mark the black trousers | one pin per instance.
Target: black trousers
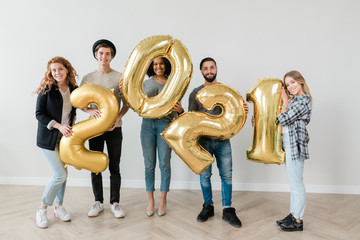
(113, 141)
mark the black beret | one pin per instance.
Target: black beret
(107, 42)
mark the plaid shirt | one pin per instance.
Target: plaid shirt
(296, 118)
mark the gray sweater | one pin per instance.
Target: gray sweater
(106, 80)
(153, 88)
(194, 104)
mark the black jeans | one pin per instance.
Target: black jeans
(113, 141)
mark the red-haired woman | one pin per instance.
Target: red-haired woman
(55, 117)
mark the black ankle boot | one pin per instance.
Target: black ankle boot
(206, 212)
(229, 215)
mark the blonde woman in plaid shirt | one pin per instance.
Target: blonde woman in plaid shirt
(294, 117)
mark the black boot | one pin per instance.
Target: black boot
(229, 215)
(206, 212)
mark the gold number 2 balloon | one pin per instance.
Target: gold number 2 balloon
(267, 141)
(136, 68)
(182, 133)
(72, 149)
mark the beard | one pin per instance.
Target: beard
(210, 79)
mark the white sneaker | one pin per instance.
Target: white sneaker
(60, 212)
(117, 210)
(41, 218)
(96, 209)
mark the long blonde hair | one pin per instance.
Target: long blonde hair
(48, 80)
(301, 80)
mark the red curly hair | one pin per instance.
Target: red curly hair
(48, 80)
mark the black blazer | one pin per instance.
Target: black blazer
(49, 107)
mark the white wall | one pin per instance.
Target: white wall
(249, 40)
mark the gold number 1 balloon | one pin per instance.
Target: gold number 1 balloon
(137, 66)
(267, 141)
(72, 149)
(182, 133)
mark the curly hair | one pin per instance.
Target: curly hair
(48, 80)
(150, 72)
(301, 80)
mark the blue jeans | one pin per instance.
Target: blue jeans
(221, 149)
(57, 184)
(295, 171)
(150, 140)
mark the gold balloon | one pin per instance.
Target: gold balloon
(137, 66)
(267, 140)
(182, 133)
(72, 149)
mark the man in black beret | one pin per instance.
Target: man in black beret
(104, 51)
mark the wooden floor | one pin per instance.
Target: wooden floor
(328, 216)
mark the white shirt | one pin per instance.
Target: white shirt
(66, 108)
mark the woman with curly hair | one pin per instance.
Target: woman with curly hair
(55, 117)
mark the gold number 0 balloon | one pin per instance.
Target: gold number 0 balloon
(136, 68)
(182, 133)
(267, 141)
(72, 149)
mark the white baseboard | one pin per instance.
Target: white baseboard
(257, 187)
